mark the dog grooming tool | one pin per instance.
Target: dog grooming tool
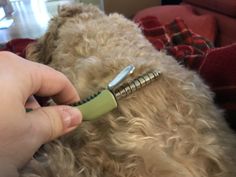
(106, 100)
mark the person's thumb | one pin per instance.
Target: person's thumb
(51, 122)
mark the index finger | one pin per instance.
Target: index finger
(29, 78)
(46, 81)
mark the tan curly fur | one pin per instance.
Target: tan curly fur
(170, 128)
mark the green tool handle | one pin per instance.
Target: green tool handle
(98, 106)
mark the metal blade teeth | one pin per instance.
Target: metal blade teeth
(136, 84)
(86, 99)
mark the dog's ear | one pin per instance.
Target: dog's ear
(69, 10)
(41, 50)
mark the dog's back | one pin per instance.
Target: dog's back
(170, 128)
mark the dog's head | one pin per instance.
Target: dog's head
(90, 48)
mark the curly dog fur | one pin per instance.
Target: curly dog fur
(170, 128)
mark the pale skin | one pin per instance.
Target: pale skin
(21, 133)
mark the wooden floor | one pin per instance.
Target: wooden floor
(30, 19)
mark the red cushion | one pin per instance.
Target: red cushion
(219, 71)
(165, 13)
(17, 46)
(227, 7)
(204, 25)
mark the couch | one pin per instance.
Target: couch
(215, 20)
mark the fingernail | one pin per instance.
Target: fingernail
(71, 117)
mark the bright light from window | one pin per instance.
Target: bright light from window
(2, 13)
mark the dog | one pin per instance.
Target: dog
(170, 128)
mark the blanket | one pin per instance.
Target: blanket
(176, 39)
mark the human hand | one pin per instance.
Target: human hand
(21, 133)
